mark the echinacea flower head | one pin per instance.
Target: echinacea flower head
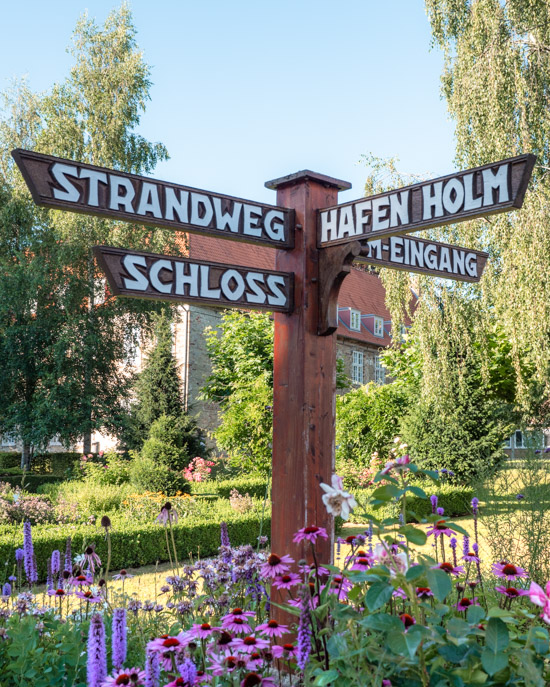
(59, 593)
(256, 680)
(511, 592)
(361, 563)
(81, 580)
(470, 557)
(89, 596)
(508, 571)
(249, 644)
(123, 575)
(272, 629)
(286, 651)
(338, 502)
(167, 515)
(449, 568)
(311, 533)
(276, 565)
(286, 581)
(423, 592)
(465, 603)
(407, 620)
(238, 625)
(130, 677)
(202, 630)
(438, 529)
(91, 558)
(166, 643)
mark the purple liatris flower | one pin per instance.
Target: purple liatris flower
(224, 534)
(152, 669)
(49, 577)
(433, 499)
(56, 562)
(119, 643)
(19, 555)
(6, 589)
(466, 546)
(188, 672)
(304, 631)
(475, 505)
(440, 511)
(29, 562)
(68, 556)
(97, 652)
(453, 544)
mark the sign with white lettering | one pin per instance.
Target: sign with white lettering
(166, 278)
(412, 254)
(477, 192)
(78, 187)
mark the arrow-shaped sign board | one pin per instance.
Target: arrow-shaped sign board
(78, 187)
(413, 254)
(477, 192)
(162, 277)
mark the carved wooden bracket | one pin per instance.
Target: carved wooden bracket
(334, 266)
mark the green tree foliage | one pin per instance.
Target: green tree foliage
(367, 421)
(158, 385)
(175, 441)
(241, 382)
(496, 82)
(91, 117)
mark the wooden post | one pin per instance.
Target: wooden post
(304, 384)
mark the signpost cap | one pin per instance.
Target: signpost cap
(291, 179)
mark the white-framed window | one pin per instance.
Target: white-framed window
(379, 370)
(378, 326)
(8, 439)
(519, 439)
(529, 439)
(357, 361)
(355, 320)
(508, 443)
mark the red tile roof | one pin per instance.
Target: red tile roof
(360, 290)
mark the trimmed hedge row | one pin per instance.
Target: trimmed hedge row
(42, 463)
(455, 499)
(133, 544)
(254, 486)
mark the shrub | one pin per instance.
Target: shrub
(30, 481)
(91, 498)
(241, 503)
(255, 486)
(198, 470)
(35, 509)
(148, 475)
(115, 470)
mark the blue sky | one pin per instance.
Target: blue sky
(245, 91)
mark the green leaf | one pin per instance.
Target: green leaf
(382, 622)
(378, 595)
(414, 572)
(413, 534)
(417, 491)
(493, 662)
(385, 493)
(326, 678)
(496, 635)
(475, 615)
(439, 582)
(404, 643)
(457, 528)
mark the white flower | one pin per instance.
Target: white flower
(336, 500)
(396, 562)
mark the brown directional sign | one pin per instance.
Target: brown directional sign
(78, 187)
(477, 192)
(166, 278)
(412, 254)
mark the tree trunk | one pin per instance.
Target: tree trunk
(26, 457)
(87, 443)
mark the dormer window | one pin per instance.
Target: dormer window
(378, 327)
(355, 320)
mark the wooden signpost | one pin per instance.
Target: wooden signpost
(317, 242)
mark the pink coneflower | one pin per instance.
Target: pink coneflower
(286, 581)
(407, 620)
(449, 568)
(123, 575)
(249, 644)
(59, 593)
(202, 630)
(272, 629)
(89, 596)
(276, 565)
(166, 643)
(125, 676)
(399, 593)
(311, 533)
(423, 592)
(81, 581)
(511, 592)
(311, 569)
(470, 557)
(465, 603)
(341, 586)
(227, 663)
(438, 529)
(167, 514)
(91, 557)
(237, 625)
(508, 571)
(361, 563)
(286, 651)
(237, 613)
